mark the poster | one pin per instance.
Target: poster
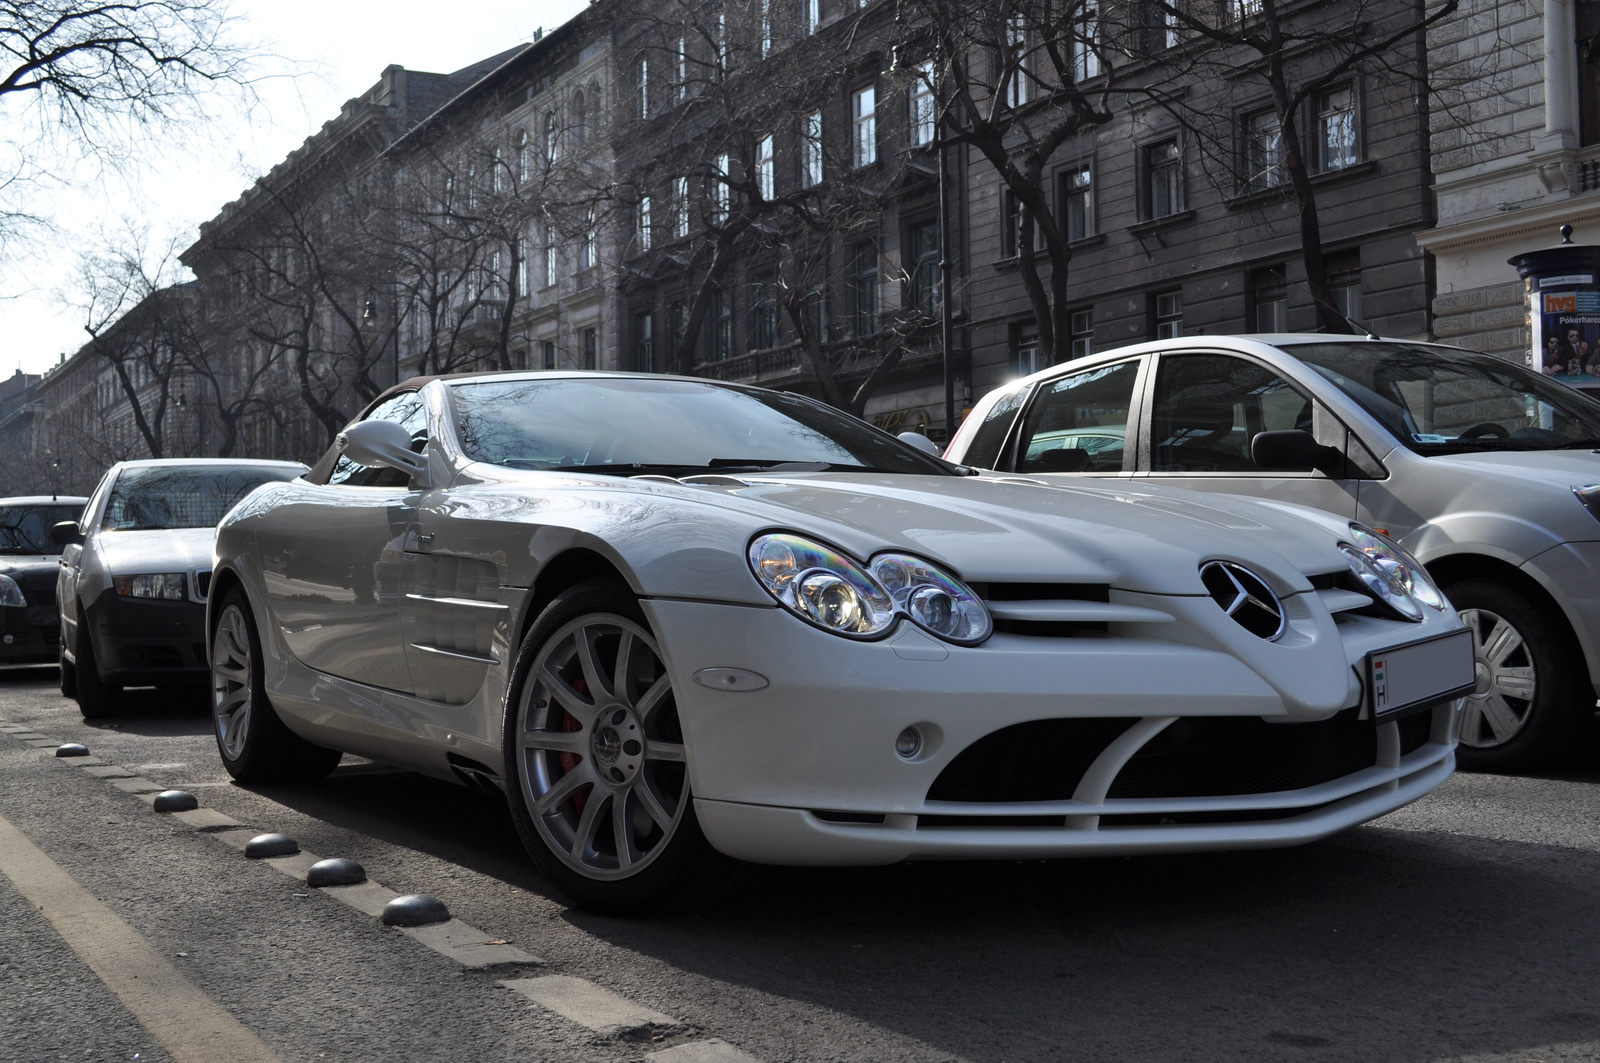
(1569, 336)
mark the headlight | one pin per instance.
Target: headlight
(10, 593)
(172, 586)
(933, 599)
(1389, 571)
(821, 585)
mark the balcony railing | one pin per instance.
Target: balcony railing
(781, 363)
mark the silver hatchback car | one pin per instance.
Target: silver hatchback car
(1486, 471)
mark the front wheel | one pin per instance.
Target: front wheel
(596, 756)
(69, 674)
(255, 745)
(96, 698)
(1533, 698)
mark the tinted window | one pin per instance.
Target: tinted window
(984, 450)
(1080, 422)
(405, 409)
(26, 529)
(1438, 400)
(627, 426)
(1207, 408)
(182, 496)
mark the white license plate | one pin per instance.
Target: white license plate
(1419, 673)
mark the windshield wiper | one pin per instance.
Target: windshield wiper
(1576, 444)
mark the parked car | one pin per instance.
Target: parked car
(1484, 470)
(135, 570)
(671, 617)
(28, 564)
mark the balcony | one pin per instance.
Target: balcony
(780, 366)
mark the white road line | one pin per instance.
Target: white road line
(712, 1051)
(190, 1025)
(589, 1005)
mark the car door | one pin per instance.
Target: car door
(1205, 408)
(330, 558)
(1081, 424)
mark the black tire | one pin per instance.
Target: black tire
(69, 674)
(253, 742)
(673, 866)
(97, 699)
(1522, 646)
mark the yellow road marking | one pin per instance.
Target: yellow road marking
(190, 1025)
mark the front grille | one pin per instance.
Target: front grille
(1215, 756)
(1414, 731)
(1046, 592)
(1042, 760)
(202, 583)
(151, 657)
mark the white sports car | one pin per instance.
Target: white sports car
(673, 618)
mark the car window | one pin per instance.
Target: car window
(1079, 423)
(990, 436)
(1207, 407)
(151, 497)
(408, 411)
(25, 529)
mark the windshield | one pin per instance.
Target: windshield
(1439, 401)
(26, 529)
(182, 496)
(628, 426)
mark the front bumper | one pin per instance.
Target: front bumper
(805, 771)
(143, 641)
(29, 634)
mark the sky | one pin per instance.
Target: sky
(316, 55)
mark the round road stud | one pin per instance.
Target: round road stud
(415, 909)
(337, 872)
(265, 845)
(176, 801)
(72, 749)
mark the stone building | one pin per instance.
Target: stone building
(1515, 153)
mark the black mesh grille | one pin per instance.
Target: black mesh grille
(202, 581)
(1215, 756)
(1042, 760)
(1414, 731)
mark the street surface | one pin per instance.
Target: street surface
(1466, 927)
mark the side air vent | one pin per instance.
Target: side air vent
(1245, 597)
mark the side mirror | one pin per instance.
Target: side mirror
(920, 441)
(66, 533)
(1295, 449)
(379, 442)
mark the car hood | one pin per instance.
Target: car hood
(996, 529)
(16, 564)
(166, 550)
(1567, 468)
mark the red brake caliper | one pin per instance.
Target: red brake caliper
(572, 760)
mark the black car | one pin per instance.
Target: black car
(29, 628)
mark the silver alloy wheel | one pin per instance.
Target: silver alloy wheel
(1506, 683)
(230, 682)
(600, 755)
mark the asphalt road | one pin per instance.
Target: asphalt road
(1465, 927)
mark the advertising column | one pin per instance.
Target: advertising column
(1563, 290)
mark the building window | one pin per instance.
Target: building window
(765, 175)
(680, 205)
(1239, 10)
(922, 256)
(766, 28)
(642, 88)
(1168, 314)
(1017, 58)
(524, 161)
(811, 150)
(552, 139)
(591, 349)
(1085, 45)
(644, 223)
(764, 317)
(813, 15)
(721, 326)
(680, 82)
(547, 354)
(1336, 129)
(864, 287)
(814, 311)
(1025, 349)
(1160, 28)
(644, 358)
(580, 119)
(1344, 283)
(721, 192)
(550, 253)
(586, 249)
(1082, 325)
(923, 110)
(1077, 201)
(1263, 151)
(1269, 290)
(864, 112)
(1163, 168)
(522, 266)
(721, 43)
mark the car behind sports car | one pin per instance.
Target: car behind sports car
(670, 617)
(28, 564)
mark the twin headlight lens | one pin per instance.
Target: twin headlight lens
(840, 595)
(1389, 572)
(10, 593)
(172, 586)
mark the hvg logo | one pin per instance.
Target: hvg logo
(1561, 304)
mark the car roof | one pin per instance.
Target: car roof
(416, 382)
(43, 500)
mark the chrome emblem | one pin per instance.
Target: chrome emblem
(1245, 597)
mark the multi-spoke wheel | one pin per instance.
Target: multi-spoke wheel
(596, 748)
(254, 743)
(1532, 696)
